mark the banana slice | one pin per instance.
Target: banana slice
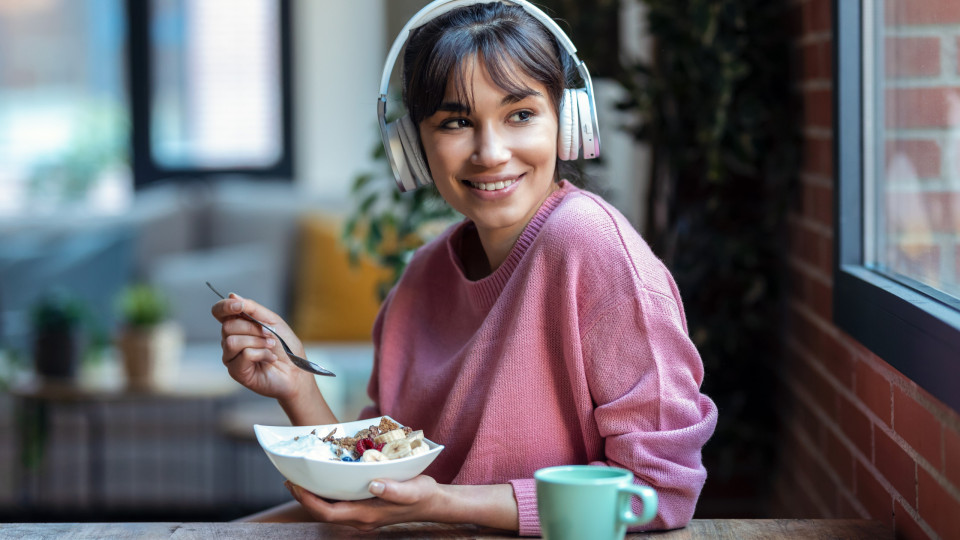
(373, 455)
(418, 447)
(397, 449)
(393, 435)
(415, 436)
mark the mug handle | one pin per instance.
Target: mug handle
(649, 498)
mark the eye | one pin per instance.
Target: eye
(454, 123)
(521, 116)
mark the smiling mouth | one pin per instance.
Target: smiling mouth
(490, 186)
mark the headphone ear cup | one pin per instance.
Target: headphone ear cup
(409, 164)
(585, 113)
(398, 162)
(568, 139)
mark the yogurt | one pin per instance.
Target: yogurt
(309, 446)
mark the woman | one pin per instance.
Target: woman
(539, 331)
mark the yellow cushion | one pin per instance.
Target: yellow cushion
(335, 300)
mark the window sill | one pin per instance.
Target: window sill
(917, 335)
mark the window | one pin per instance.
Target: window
(210, 88)
(897, 135)
(97, 96)
(63, 111)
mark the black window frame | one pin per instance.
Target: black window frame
(145, 169)
(913, 328)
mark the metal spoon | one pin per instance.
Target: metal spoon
(298, 361)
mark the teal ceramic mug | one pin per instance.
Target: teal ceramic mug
(590, 501)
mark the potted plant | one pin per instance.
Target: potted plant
(149, 341)
(58, 337)
(388, 225)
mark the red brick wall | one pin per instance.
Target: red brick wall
(859, 440)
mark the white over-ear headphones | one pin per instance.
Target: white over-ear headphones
(401, 139)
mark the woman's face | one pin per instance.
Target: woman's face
(495, 161)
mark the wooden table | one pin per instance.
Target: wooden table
(732, 529)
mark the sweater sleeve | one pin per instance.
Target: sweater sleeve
(644, 376)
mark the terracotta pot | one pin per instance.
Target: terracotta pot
(151, 355)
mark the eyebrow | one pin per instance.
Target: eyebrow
(457, 107)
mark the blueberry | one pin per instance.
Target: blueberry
(347, 458)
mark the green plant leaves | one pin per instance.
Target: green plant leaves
(142, 305)
(387, 225)
(33, 424)
(58, 310)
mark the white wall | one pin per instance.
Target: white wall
(628, 172)
(622, 176)
(339, 49)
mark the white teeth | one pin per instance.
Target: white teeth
(492, 186)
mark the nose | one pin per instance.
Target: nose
(491, 147)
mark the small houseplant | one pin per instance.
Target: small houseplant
(149, 341)
(388, 225)
(58, 327)
(58, 336)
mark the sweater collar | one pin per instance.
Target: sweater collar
(486, 290)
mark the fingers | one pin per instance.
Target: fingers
(364, 515)
(323, 510)
(390, 491)
(248, 348)
(394, 502)
(409, 492)
(231, 306)
(235, 305)
(224, 309)
(244, 342)
(239, 326)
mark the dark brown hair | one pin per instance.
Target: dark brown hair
(503, 37)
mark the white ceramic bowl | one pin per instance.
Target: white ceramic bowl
(339, 480)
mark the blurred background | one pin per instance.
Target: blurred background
(148, 146)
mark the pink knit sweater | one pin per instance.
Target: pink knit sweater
(574, 351)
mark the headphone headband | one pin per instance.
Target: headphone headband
(439, 7)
